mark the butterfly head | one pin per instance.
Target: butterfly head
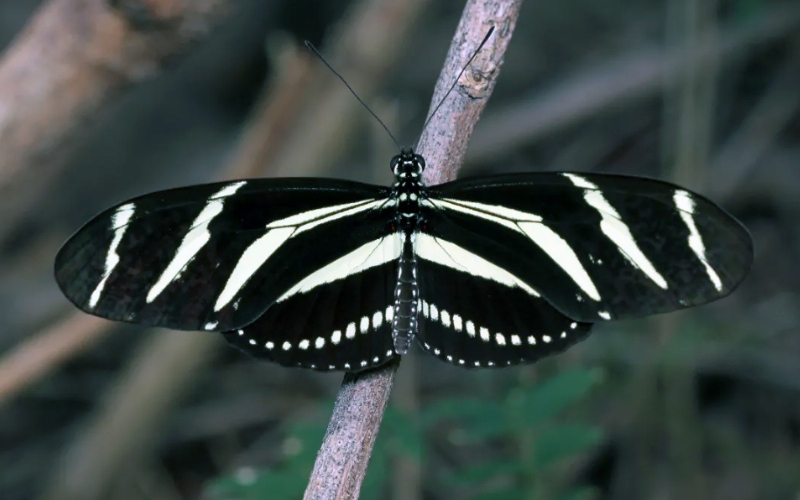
(408, 165)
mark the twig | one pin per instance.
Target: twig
(357, 413)
(343, 458)
(444, 143)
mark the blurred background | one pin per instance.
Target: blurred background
(703, 404)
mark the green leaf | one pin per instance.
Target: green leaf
(582, 493)
(482, 472)
(748, 10)
(263, 484)
(303, 442)
(289, 480)
(403, 434)
(507, 494)
(461, 409)
(554, 395)
(563, 441)
(407, 443)
(481, 419)
(375, 479)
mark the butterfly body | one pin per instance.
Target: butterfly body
(406, 192)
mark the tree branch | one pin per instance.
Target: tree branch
(343, 458)
(444, 143)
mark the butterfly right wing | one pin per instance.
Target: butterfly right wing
(597, 247)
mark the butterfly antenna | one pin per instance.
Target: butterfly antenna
(433, 113)
(316, 52)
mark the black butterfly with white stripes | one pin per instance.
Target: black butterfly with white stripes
(337, 275)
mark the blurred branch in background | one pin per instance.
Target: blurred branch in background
(72, 60)
(363, 50)
(741, 151)
(625, 80)
(121, 436)
(344, 456)
(37, 357)
(688, 124)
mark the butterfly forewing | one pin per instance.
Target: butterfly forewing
(215, 256)
(596, 247)
(343, 325)
(477, 322)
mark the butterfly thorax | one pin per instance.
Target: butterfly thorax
(406, 191)
(407, 168)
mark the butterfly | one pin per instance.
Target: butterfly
(338, 275)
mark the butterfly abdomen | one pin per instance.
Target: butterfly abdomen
(406, 298)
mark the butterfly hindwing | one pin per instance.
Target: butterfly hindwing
(214, 257)
(596, 247)
(476, 322)
(344, 325)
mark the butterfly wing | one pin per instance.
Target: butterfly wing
(477, 322)
(216, 256)
(595, 247)
(345, 325)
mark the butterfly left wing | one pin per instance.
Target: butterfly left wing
(595, 247)
(216, 256)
